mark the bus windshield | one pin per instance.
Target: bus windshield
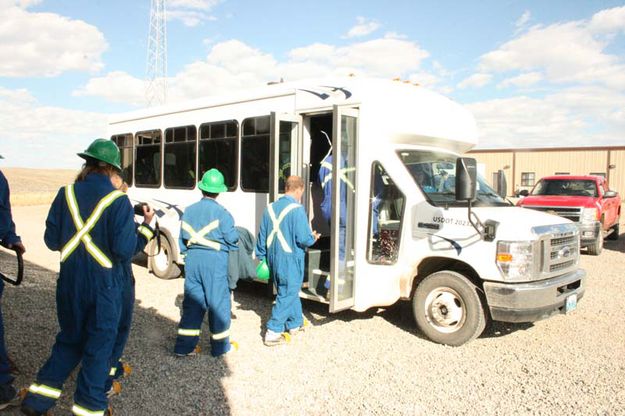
(435, 174)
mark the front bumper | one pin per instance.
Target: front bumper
(529, 302)
(588, 232)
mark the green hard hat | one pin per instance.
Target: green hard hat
(213, 182)
(262, 270)
(104, 151)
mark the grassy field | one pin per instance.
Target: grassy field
(36, 186)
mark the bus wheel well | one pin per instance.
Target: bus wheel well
(437, 264)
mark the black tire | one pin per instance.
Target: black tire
(448, 308)
(162, 263)
(615, 231)
(597, 246)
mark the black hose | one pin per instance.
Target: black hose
(20, 271)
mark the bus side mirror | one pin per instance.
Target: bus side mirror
(502, 184)
(466, 175)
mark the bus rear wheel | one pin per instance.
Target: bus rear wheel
(448, 309)
(162, 262)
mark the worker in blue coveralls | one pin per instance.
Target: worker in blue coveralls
(145, 233)
(284, 235)
(207, 234)
(8, 239)
(92, 225)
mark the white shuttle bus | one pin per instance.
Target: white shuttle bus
(462, 256)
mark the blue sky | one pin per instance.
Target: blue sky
(534, 73)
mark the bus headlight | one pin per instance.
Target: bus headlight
(589, 215)
(515, 260)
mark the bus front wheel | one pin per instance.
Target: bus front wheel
(448, 309)
(162, 262)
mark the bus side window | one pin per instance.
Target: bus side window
(255, 155)
(124, 142)
(218, 149)
(148, 158)
(180, 157)
(385, 217)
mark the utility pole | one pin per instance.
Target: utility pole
(156, 69)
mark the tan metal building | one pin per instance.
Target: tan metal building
(524, 167)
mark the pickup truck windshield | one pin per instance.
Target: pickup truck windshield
(435, 174)
(566, 187)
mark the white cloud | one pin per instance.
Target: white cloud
(363, 27)
(580, 116)
(47, 44)
(232, 65)
(570, 52)
(522, 81)
(32, 134)
(191, 12)
(608, 21)
(475, 81)
(522, 21)
(24, 4)
(116, 86)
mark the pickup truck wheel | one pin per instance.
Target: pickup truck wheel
(448, 309)
(615, 231)
(597, 246)
(162, 263)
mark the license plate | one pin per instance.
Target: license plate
(571, 303)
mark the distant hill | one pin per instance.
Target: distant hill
(36, 186)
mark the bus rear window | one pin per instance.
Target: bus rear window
(148, 162)
(124, 142)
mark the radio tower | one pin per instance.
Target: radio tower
(156, 70)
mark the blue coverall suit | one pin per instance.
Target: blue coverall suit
(144, 235)
(89, 290)
(207, 234)
(284, 234)
(325, 179)
(7, 237)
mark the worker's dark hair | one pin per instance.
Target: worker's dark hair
(210, 194)
(293, 183)
(95, 166)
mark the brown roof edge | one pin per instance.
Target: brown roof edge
(545, 149)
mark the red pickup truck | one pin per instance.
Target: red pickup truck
(585, 200)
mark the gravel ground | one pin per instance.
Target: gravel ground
(369, 363)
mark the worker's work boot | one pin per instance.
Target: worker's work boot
(300, 329)
(116, 388)
(195, 351)
(8, 396)
(127, 369)
(29, 411)
(276, 338)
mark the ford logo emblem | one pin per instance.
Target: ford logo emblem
(564, 252)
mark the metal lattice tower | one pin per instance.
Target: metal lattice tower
(156, 70)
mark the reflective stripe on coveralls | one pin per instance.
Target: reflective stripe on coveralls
(276, 232)
(146, 232)
(82, 230)
(44, 390)
(221, 335)
(81, 411)
(189, 332)
(199, 236)
(342, 175)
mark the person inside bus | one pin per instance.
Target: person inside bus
(424, 182)
(207, 235)
(8, 239)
